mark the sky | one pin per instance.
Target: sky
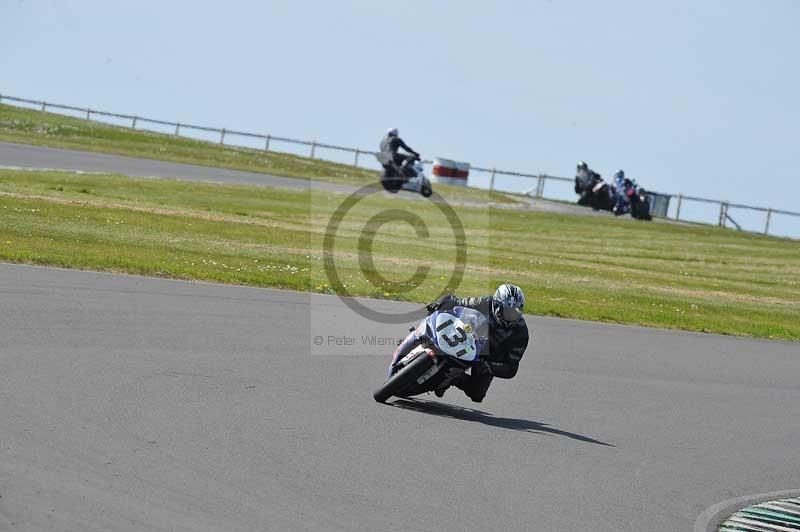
(686, 96)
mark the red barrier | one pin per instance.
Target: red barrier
(451, 172)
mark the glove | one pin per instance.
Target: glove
(436, 305)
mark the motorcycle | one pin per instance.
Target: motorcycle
(595, 193)
(640, 203)
(410, 173)
(450, 343)
(633, 199)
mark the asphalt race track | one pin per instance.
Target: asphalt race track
(142, 404)
(27, 156)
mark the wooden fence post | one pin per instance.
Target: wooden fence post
(766, 224)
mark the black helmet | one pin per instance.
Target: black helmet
(582, 166)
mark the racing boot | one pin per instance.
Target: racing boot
(475, 386)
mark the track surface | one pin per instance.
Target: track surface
(142, 404)
(26, 156)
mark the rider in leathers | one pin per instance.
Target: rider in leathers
(585, 179)
(391, 143)
(508, 338)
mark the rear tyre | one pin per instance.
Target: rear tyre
(403, 379)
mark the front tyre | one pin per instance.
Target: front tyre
(426, 192)
(403, 379)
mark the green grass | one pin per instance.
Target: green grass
(695, 278)
(29, 126)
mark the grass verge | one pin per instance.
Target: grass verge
(691, 278)
(28, 126)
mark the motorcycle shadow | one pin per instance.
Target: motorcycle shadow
(478, 416)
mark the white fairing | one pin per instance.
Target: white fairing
(455, 338)
(415, 184)
(412, 354)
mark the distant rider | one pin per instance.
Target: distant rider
(390, 145)
(621, 186)
(508, 338)
(585, 178)
(391, 159)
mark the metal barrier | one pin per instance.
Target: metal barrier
(537, 191)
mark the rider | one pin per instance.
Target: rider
(621, 203)
(585, 181)
(508, 338)
(585, 178)
(391, 143)
(389, 157)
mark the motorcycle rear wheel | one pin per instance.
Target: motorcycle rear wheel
(403, 379)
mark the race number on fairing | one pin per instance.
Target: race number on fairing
(455, 337)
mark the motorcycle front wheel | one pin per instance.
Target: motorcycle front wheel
(403, 379)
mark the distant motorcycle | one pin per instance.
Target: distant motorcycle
(594, 192)
(640, 204)
(450, 343)
(408, 176)
(633, 199)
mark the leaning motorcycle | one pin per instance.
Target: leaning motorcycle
(450, 343)
(638, 200)
(594, 193)
(640, 205)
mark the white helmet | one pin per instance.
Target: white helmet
(392, 132)
(508, 303)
